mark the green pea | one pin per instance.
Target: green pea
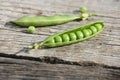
(72, 36)
(83, 9)
(86, 32)
(51, 42)
(65, 38)
(31, 29)
(79, 34)
(58, 39)
(98, 26)
(90, 32)
(94, 30)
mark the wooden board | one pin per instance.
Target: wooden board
(20, 69)
(103, 49)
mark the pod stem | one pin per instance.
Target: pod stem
(35, 46)
(85, 16)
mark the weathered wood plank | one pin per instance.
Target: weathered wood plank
(20, 69)
(102, 49)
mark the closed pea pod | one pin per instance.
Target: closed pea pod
(44, 20)
(72, 36)
(49, 20)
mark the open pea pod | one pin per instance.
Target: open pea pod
(72, 36)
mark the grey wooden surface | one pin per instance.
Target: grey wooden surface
(20, 69)
(102, 50)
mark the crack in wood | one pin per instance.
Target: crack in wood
(55, 60)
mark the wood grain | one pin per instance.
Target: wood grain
(102, 49)
(20, 69)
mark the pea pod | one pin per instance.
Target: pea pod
(49, 20)
(72, 36)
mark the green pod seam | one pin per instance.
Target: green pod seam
(45, 20)
(72, 36)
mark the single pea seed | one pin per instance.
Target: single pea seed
(98, 26)
(58, 39)
(66, 38)
(90, 31)
(51, 42)
(83, 9)
(72, 36)
(79, 34)
(86, 33)
(31, 29)
(93, 29)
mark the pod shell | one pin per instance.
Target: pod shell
(81, 30)
(44, 20)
